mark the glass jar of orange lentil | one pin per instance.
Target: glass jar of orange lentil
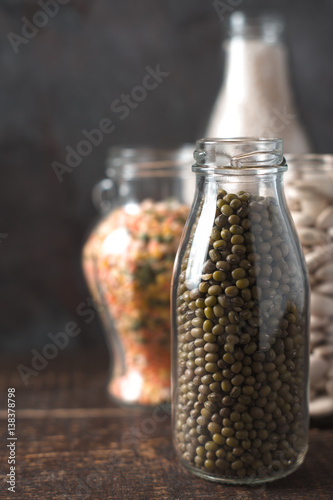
(128, 260)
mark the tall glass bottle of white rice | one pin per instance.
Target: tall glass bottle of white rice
(256, 96)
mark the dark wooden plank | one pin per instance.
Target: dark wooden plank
(129, 455)
(72, 380)
(75, 443)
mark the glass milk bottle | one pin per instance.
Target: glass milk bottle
(256, 97)
(240, 313)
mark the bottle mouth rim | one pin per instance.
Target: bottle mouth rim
(269, 25)
(238, 139)
(239, 153)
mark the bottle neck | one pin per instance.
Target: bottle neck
(256, 96)
(258, 71)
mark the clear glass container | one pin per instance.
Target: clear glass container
(256, 95)
(240, 313)
(128, 259)
(309, 193)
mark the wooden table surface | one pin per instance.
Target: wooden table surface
(74, 443)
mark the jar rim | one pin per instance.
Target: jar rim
(132, 161)
(308, 158)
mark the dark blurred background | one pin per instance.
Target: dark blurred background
(63, 80)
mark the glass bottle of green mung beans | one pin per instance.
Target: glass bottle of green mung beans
(240, 305)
